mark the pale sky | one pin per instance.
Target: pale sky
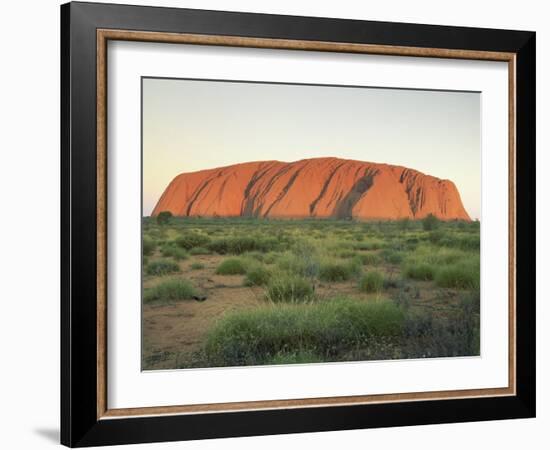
(190, 125)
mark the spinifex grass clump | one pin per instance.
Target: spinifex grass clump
(462, 241)
(161, 267)
(168, 291)
(148, 246)
(258, 256)
(196, 266)
(368, 259)
(171, 250)
(392, 256)
(232, 266)
(303, 260)
(460, 275)
(190, 240)
(369, 244)
(430, 222)
(320, 330)
(237, 245)
(339, 270)
(418, 270)
(452, 268)
(271, 257)
(289, 288)
(372, 281)
(257, 275)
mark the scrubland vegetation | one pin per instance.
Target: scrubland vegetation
(303, 291)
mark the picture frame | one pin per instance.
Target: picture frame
(86, 418)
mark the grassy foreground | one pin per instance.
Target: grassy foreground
(301, 291)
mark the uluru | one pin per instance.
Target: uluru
(312, 188)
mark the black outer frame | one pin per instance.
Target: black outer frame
(79, 423)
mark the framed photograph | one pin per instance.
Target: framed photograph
(278, 224)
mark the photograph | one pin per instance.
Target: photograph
(299, 224)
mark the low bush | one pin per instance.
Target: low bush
(190, 240)
(426, 335)
(442, 256)
(368, 259)
(392, 256)
(289, 288)
(461, 241)
(164, 217)
(436, 236)
(304, 264)
(219, 245)
(271, 257)
(461, 275)
(258, 256)
(170, 250)
(338, 270)
(419, 271)
(369, 244)
(161, 267)
(372, 281)
(279, 334)
(257, 276)
(196, 266)
(232, 266)
(430, 222)
(170, 290)
(404, 224)
(238, 245)
(148, 246)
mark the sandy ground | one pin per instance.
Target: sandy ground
(179, 328)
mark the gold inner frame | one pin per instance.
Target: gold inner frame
(104, 35)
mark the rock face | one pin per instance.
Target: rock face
(320, 187)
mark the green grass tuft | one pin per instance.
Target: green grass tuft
(161, 267)
(289, 288)
(305, 264)
(338, 270)
(420, 271)
(370, 244)
(260, 335)
(368, 259)
(392, 256)
(372, 281)
(148, 246)
(257, 276)
(191, 239)
(170, 250)
(460, 275)
(232, 266)
(237, 245)
(168, 291)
